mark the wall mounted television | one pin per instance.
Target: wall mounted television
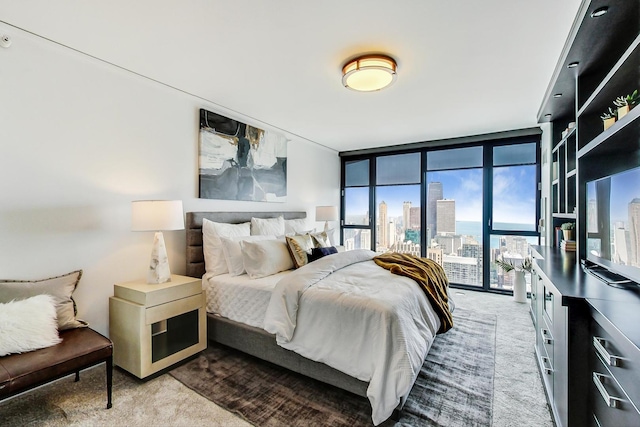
(613, 226)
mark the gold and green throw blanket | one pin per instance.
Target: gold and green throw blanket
(428, 274)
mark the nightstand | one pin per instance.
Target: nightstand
(154, 326)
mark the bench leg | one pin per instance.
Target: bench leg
(77, 376)
(109, 364)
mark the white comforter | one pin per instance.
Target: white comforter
(349, 313)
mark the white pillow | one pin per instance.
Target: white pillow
(267, 226)
(265, 257)
(214, 261)
(28, 324)
(233, 251)
(296, 226)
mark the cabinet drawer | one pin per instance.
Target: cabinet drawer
(546, 369)
(621, 358)
(545, 336)
(610, 405)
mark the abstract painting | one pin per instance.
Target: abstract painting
(241, 162)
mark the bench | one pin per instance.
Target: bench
(80, 348)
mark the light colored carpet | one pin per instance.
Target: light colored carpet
(518, 396)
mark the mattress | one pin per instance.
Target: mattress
(240, 298)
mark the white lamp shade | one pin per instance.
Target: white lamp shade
(327, 213)
(157, 215)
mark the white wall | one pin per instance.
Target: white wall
(79, 140)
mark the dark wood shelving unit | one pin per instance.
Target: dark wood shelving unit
(600, 61)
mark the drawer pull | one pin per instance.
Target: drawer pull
(611, 401)
(546, 336)
(610, 359)
(547, 369)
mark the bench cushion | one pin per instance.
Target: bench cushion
(79, 349)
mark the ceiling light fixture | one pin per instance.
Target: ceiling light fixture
(557, 95)
(573, 64)
(599, 11)
(369, 73)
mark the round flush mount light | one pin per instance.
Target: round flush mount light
(573, 64)
(557, 95)
(599, 11)
(369, 73)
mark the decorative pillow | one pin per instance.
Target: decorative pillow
(317, 253)
(265, 257)
(28, 324)
(321, 239)
(296, 226)
(60, 288)
(232, 249)
(299, 245)
(214, 261)
(268, 226)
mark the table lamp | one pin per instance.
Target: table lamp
(326, 214)
(157, 215)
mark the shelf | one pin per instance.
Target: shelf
(564, 215)
(571, 133)
(620, 81)
(623, 136)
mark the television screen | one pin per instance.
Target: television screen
(613, 223)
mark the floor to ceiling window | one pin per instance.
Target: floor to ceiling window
(462, 206)
(514, 206)
(454, 182)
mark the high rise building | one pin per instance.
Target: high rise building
(434, 193)
(406, 209)
(445, 216)
(414, 218)
(634, 232)
(383, 225)
(392, 232)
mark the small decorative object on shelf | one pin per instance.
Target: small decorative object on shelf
(608, 118)
(568, 245)
(626, 103)
(568, 230)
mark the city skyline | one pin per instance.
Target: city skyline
(514, 194)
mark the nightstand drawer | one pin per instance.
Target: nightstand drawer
(175, 308)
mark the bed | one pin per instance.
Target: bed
(248, 335)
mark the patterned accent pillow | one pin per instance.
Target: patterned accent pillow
(321, 239)
(299, 246)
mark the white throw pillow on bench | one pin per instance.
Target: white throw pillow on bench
(28, 324)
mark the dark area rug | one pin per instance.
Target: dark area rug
(454, 387)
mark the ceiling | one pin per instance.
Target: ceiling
(464, 67)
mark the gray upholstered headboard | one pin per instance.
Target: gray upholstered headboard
(195, 255)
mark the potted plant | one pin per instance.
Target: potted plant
(567, 230)
(519, 283)
(608, 118)
(626, 103)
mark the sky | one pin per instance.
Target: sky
(514, 191)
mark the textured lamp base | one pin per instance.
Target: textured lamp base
(159, 264)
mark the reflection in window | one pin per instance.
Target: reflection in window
(356, 239)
